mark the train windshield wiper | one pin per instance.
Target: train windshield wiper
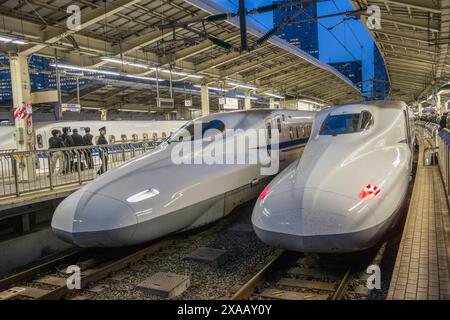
(333, 133)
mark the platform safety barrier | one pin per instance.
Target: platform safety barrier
(56, 168)
(441, 143)
(444, 157)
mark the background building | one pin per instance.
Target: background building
(350, 69)
(302, 32)
(380, 85)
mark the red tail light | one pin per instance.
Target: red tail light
(264, 193)
(369, 192)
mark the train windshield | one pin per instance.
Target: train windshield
(197, 130)
(346, 123)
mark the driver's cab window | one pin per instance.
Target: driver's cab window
(40, 141)
(366, 120)
(206, 129)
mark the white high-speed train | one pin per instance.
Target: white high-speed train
(155, 195)
(117, 131)
(346, 190)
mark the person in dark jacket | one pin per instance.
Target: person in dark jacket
(55, 142)
(77, 139)
(102, 141)
(77, 142)
(87, 140)
(443, 121)
(68, 155)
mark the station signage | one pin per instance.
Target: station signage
(230, 103)
(70, 107)
(188, 103)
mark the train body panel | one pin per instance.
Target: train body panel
(155, 196)
(347, 188)
(117, 131)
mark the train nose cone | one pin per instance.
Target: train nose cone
(313, 220)
(89, 219)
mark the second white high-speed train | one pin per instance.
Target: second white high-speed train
(158, 194)
(346, 190)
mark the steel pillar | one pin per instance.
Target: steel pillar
(23, 110)
(205, 99)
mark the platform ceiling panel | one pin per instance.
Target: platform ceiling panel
(413, 40)
(132, 30)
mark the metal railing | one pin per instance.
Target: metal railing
(444, 157)
(56, 168)
(440, 140)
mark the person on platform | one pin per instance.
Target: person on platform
(102, 141)
(87, 140)
(55, 142)
(77, 142)
(443, 121)
(68, 155)
(77, 138)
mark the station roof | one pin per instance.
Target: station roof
(131, 30)
(413, 40)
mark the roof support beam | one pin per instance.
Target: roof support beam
(54, 33)
(418, 23)
(273, 71)
(407, 46)
(405, 35)
(253, 63)
(416, 4)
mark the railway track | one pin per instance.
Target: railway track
(48, 280)
(296, 276)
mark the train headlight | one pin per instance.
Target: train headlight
(264, 193)
(369, 192)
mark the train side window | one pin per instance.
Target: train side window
(145, 136)
(269, 132)
(366, 120)
(303, 132)
(291, 133)
(40, 141)
(155, 136)
(164, 135)
(279, 125)
(297, 131)
(408, 132)
(134, 137)
(124, 138)
(309, 130)
(112, 139)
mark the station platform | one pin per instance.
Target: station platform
(422, 266)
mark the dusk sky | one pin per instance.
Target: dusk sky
(352, 34)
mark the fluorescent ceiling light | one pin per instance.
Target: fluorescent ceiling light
(274, 95)
(131, 110)
(66, 66)
(10, 38)
(144, 66)
(119, 61)
(90, 108)
(142, 77)
(242, 96)
(241, 85)
(212, 88)
(311, 102)
(4, 39)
